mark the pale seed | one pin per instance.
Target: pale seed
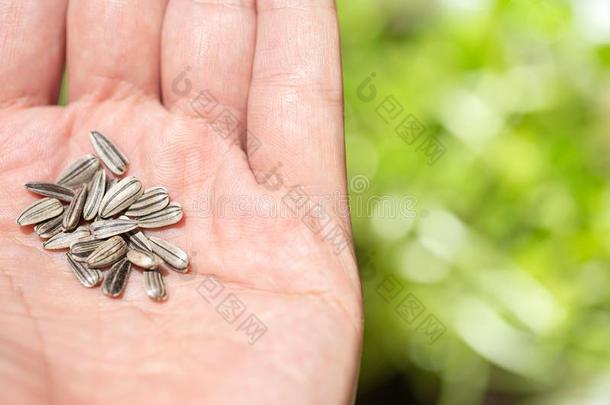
(108, 252)
(172, 255)
(153, 200)
(40, 211)
(109, 153)
(142, 258)
(63, 240)
(120, 196)
(167, 216)
(154, 285)
(80, 171)
(110, 227)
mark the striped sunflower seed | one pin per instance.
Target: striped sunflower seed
(154, 285)
(120, 196)
(74, 212)
(143, 259)
(50, 227)
(80, 171)
(40, 211)
(87, 276)
(154, 199)
(170, 254)
(167, 216)
(109, 153)
(63, 240)
(116, 279)
(82, 248)
(97, 187)
(50, 190)
(108, 252)
(106, 228)
(139, 240)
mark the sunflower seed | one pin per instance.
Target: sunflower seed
(40, 211)
(154, 285)
(120, 196)
(97, 187)
(108, 252)
(139, 240)
(79, 172)
(170, 254)
(50, 190)
(167, 216)
(74, 211)
(116, 279)
(109, 153)
(87, 276)
(143, 259)
(82, 248)
(106, 228)
(63, 239)
(154, 199)
(50, 227)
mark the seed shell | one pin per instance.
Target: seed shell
(63, 240)
(143, 259)
(50, 227)
(82, 248)
(40, 211)
(106, 228)
(108, 252)
(120, 196)
(74, 212)
(80, 171)
(87, 276)
(97, 188)
(167, 216)
(154, 285)
(172, 255)
(139, 240)
(109, 153)
(50, 190)
(116, 279)
(154, 199)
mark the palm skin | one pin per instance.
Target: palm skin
(62, 343)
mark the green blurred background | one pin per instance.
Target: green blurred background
(485, 270)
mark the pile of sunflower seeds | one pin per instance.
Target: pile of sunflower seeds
(101, 223)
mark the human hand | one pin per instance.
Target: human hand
(134, 67)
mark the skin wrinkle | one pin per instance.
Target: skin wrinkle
(122, 90)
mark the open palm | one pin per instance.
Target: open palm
(236, 107)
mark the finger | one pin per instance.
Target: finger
(113, 48)
(208, 47)
(32, 42)
(295, 101)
